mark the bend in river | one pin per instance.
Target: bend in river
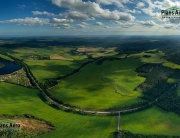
(9, 67)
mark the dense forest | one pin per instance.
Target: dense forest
(156, 88)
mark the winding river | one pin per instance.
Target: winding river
(9, 67)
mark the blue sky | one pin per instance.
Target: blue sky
(86, 17)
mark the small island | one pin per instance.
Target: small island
(1, 65)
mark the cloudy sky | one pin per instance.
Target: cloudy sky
(86, 17)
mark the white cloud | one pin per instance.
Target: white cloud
(56, 20)
(63, 26)
(84, 23)
(98, 23)
(166, 4)
(61, 23)
(43, 13)
(81, 25)
(140, 4)
(148, 23)
(168, 26)
(93, 9)
(107, 27)
(28, 21)
(75, 15)
(125, 25)
(118, 3)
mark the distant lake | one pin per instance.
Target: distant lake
(9, 67)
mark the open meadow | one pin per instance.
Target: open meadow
(20, 100)
(45, 69)
(104, 86)
(152, 121)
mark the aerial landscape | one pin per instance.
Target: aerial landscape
(90, 69)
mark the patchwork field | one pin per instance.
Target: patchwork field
(20, 100)
(97, 51)
(60, 58)
(152, 121)
(52, 51)
(104, 86)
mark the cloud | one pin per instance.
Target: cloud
(107, 27)
(174, 20)
(43, 13)
(166, 4)
(21, 6)
(84, 23)
(125, 25)
(168, 26)
(118, 3)
(75, 15)
(140, 4)
(92, 9)
(151, 10)
(98, 23)
(148, 23)
(57, 20)
(81, 25)
(63, 26)
(61, 23)
(28, 21)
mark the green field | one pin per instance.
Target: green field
(44, 69)
(20, 100)
(152, 121)
(6, 57)
(1, 65)
(103, 86)
(171, 65)
(155, 57)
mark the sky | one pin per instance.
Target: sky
(86, 17)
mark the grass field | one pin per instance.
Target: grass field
(171, 65)
(44, 69)
(1, 65)
(102, 86)
(173, 80)
(5, 57)
(155, 57)
(152, 121)
(20, 100)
